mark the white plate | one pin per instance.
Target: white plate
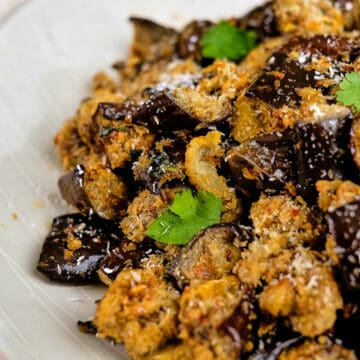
(48, 52)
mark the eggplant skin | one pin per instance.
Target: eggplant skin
(344, 225)
(321, 153)
(127, 255)
(95, 188)
(262, 20)
(161, 111)
(74, 247)
(71, 188)
(211, 254)
(189, 39)
(284, 75)
(152, 41)
(263, 163)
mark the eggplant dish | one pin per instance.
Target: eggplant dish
(217, 188)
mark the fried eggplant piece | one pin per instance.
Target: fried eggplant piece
(224, 79)
(280, 222)
(264, 163)
(280, 81)
(140, 310)
(344, 225)
(262, 20)
(76, 244)
(96, 188)
(162, 111)
(163, 165)
(71, 149)
(117, 136)
(252, 118)
(312, 308)
(205, 306)
(127, 255)
(201, 159)
(318, 62)
(151, 41)
(211, 254)
(189, 39)
(256, 59)
(281, 216)
(317, 17)
(182, 108)
(84, 116)
(318, 150)
(321, 153)
(240, 325)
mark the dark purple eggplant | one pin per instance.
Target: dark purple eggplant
(156, 167)
(262, 20)
(337, 48)
(189, 39)
(76, 244)
(280, 80)
(355, 141)
(95, 188)
(128, 254)
(71, 188)
(117, 111)
(264, 163)
(162, 111)
(321, 153)
(152, 41)
(117, 136)
(347, 325)
(344, 225)
(211, 254)
(240, 325)
(283, 76)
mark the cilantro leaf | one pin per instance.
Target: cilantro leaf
(226, 41)
(349, 93)
(185, 217)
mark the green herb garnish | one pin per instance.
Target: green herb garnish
(185, 217)
(349, 93)
(226, 41)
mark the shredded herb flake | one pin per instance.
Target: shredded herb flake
(349, 93)
(226, 41)
(185, 217)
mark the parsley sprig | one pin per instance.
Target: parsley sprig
(185, 217)
(349, 93)
(226, 41)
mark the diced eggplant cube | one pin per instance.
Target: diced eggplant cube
(264, 163)
(321, 153)
(74, 247)
(344, 224)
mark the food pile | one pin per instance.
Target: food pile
(217, 188)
